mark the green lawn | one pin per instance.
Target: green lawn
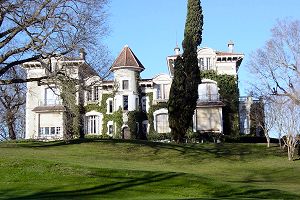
(114, 169)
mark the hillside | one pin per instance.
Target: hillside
(114, 169)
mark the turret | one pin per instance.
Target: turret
(126, 69)
(177, 50)
(230, 46)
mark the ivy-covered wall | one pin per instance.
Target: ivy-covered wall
(72, 115)
(229, 93)
(116, 117)
(151, 110)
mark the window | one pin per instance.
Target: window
(158, 92)
(162, 123)
(51, 96)
(96, 93)
(201, 62)
(145, 126)
(125, 102)
(110, 106)
(166, 88)
(58, 130)
(137, 103)
(144, 101)
(89, 96)
(208, 92)
(44, 131)
(92, 124)
(207, 63)
(52, 131)
(110, 129)
(125, 84)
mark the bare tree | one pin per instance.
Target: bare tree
(288, 115)
(262, 114)
(276, 66)
(12, 103)
(37, 30)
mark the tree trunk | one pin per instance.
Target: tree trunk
(11, 131)
(289, 153)
(268, 141)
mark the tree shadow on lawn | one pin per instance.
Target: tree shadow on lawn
(167, 183)
(97, 190)
(230, 151)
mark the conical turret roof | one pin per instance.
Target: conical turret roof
(127, 59)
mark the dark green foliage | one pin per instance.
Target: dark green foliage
(116, 117)
(194, 22)
(176, 103)
(135, 119)
(184, 89)
(229, 93)
(151, 110)
(257, 119)
(72, 115)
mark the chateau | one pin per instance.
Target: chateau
(125, 107)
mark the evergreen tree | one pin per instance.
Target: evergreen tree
(184, 89)
(194, 22)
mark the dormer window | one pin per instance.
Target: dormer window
(208, 63)
(92, 94)
(96, 93)
(125, 84)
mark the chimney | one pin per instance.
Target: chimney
(82, 54)
(230, 46)
(177, 50)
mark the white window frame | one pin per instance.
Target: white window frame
(108, 101)
(55, 100)
(124, 102)
(87, 123)
(159, 112)
(123, 84)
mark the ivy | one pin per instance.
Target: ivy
(72, 116)
(116, 117)
(135, 124)
(151, 110)
(229, 94)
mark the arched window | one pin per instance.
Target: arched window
(92, 124)
(208, 91)
(162, 123)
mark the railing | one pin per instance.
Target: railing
(50, 102)
(209, 98)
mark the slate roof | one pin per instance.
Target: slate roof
(127, 59)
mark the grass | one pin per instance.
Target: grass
(115, 169)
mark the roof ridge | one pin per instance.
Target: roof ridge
(135, 59)
(127, 60)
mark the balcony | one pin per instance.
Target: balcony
(50, 102)
(53, 105)
(209, 98)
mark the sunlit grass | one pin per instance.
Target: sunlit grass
(114, 169)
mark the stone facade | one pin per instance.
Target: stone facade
(110, 104)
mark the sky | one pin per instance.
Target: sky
(152, 27)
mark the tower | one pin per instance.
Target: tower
(126, 69)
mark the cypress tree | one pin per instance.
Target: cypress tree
(184, 89)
